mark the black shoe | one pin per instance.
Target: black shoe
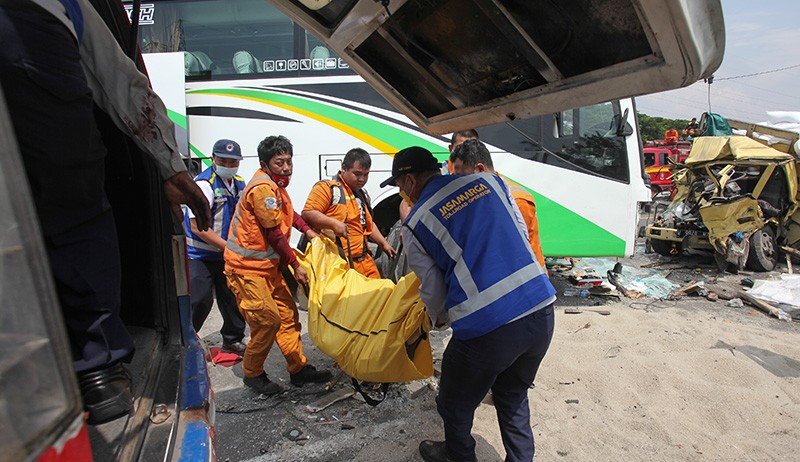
(263, 385)
(234, 347)
(309, 374)
(435, 451)
(106, 393)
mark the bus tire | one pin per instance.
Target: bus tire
(763, 250)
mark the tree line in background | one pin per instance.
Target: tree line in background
(653, 128)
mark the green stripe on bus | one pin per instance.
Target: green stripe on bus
(206, 161)
(176, 118)
(564, 233)
(393, 136)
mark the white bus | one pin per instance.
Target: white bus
(243, 70)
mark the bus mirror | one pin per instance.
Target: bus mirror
(620, 125)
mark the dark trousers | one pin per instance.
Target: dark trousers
(52, 113)
(504, 361)
(207, 279)
(86, 269)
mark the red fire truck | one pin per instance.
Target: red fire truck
(657, 156)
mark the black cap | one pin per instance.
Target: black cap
(411, 160)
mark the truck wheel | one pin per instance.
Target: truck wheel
(662, 247)
(763, 250)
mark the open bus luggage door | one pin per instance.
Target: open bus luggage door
(450, 65)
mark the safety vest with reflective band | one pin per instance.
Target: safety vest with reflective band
(359, 220)
(467, 224)
(520, 194)
(247, 250)
(223, 204)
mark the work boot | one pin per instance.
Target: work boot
(435, 451)
(263, 384)
(234, 347)
(106, 393)
(309, 374)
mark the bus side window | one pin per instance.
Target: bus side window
(566, 124)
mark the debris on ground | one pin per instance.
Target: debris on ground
(576, 292)
(558, 264)
(581, 310)
(295, 434)
(585, 278)
(330, 398)
(631, 281)
(613, 352)
(735, 303)
(585, 326)
(693, 288)
(785, 290)
(765, 307)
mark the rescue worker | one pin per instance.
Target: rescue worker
(58, 59)
(458, 138)
(469, 248)
(473, 157)
(455, 140)
(343, 205)
(690, 130)
(258, 246)
(222, 188)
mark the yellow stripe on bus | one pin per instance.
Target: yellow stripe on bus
(381, 146)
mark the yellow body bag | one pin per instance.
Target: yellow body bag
(362, 323)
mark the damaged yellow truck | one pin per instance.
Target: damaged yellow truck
(736, 197)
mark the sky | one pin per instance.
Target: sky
(759, 36)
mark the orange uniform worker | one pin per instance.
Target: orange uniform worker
(342, 205)
(466, 158)
(258, 245)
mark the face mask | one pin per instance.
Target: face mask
(406, 198)
(281, 180)
(226, 172)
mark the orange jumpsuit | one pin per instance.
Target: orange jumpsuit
(527, 206)
(254, 277)
(335, 199)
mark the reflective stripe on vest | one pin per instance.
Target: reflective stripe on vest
(271, 254)
(234, 243)
(483, 294)
(200, 244)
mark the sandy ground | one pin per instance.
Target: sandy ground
(685, 380)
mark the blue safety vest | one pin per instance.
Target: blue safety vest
(467, 224)
(223, 206)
